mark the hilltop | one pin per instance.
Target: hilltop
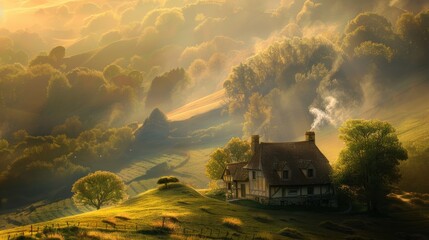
(186, 210)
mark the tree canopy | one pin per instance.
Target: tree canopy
(167, 179)
(368, 164)
(236, 150)
(98, 189)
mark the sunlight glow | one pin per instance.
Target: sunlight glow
(199, 106)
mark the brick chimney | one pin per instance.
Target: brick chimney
(310, 136)
(254, 143)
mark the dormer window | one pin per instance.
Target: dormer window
(310, 172)
(285, 174)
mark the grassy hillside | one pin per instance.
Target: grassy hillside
(140, 175)
(187, 210)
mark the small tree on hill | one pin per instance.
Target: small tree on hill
(167, 179)
(368, 165)
(98, 189)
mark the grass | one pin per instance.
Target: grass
(355, 223)
(263, 218)
(232, 223)
(264, 236)
(291, 233)
(43, 211)
(336, 227)
(141, 217)
(54, 236)
(110, 222)
(206, 209)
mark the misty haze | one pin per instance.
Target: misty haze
(225, 119)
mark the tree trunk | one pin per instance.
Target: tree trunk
(165, 185)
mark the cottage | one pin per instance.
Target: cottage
(282, 174)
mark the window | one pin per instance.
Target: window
(253, 175)
(285, 174)
(310, 190)
(310, 172)
(293, 191)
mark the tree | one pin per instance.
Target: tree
(98, 189)
(236, 150)
(368, 164)
(167, 179)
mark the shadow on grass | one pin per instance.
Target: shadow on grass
(336, 227)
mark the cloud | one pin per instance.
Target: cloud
(100, 23)
(205, 50)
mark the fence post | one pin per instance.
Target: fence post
(31, 230)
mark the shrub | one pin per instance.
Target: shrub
(292, 233)
(48, 230)
(72, 230)
(336, 227)
(232, 223)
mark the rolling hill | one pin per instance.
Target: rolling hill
(186, 212)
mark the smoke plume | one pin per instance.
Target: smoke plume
(322, 116)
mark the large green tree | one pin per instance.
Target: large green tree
(98, 189)
(368, 164)
(236, 150)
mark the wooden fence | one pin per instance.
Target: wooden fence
(196, 231)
